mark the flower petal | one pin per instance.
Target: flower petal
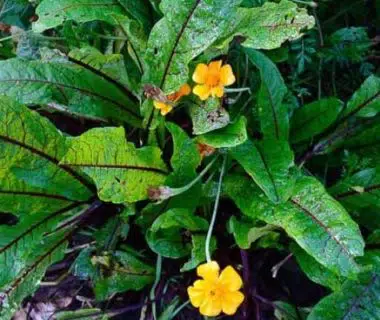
(227, 76)
(197, 293)
(159, 105)
(184, 91)
(214, 66)
(209, 271)
(202, 91)
(200, 73)
(231, 302)
(230, 279)
(217, 91)
(211, 307)
(166, 109)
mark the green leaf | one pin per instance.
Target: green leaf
(129, 274)
(356, 300)
(315, 271)
(16, 12)
(198, 253)
(245, 233)
(268, 163)
(209, 116)
(230, 136)
(110, 66)
(53, 13)
(286, 311)
(187, 29)
(31, 149)
(359, 191)
(18, 242)
(269, 26)
(314, 118)
(121, 172)
(27, 281)
(317, 222)
(83, 314)
(272, 112)
(366, 100)
(165, 235)
(186, 157)
(67, 87)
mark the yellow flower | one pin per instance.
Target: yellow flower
(216, 293)
(165, 108)
(212, 79)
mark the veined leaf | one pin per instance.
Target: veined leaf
(121, 172)
(359, 191)
(82, 91)
(366, 100)
(31, 148)
(270, 25)
(130, 273)
(268, 163)
(273, 113)
(315, 271)
(230, 136)
(28, 279)
(187, 28)
(356, 300)
(109, 66)
(53, 13)
(18, 242)
(317, 222)
(313, 118)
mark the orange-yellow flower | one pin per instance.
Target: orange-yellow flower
(174, 97)
(217, 292)
(212, 79)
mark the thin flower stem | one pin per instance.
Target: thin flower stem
(237, 90)
(180, 308)
(156, 282)
(307, 3)
(213, 218)
(177, 191)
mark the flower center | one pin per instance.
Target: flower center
(213, 79)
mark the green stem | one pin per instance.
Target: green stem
(152, 295)
(237, 90)
(179, 309)
(307, 3)
(213, 218)
(177, 191)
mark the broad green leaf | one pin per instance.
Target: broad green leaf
(360, 191)
(179, 218)
(27, 281)
(286, 311)
(111, 66)
(31, 148)
(208, 117)
(366, 100)
(313, 118)
(269, 26)
(268, 163)
(232, 135)
(68, 88)
(121, 172)
(165, 235)
(187, 29)
(18, 242)
(16, 12)
(198, 252)
(317, 222)
(139, 10)
(52, 13)
(129, 273)
(186, 157)
(315, 271)
(356, 300)
(245, 233)
(272, 112)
